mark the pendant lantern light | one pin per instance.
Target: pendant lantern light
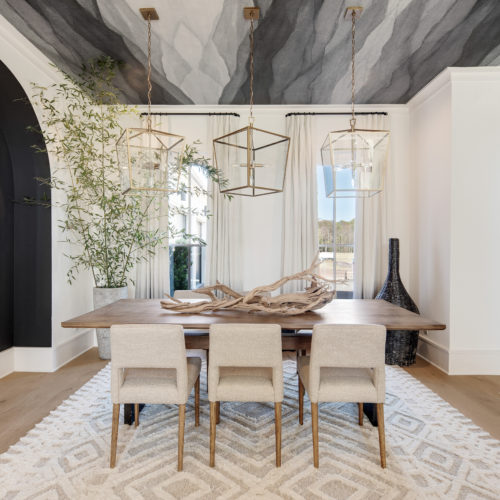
(149, 160)
(354, 160)
(252, 161)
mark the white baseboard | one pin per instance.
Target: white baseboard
(33, 359)
(436, 354)
(6, 362)
(475, 362)
(45, 359)
(460, 361)
(72, 348)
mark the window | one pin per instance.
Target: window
(337, 257)
(187, 254)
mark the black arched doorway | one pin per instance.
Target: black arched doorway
(25, 230)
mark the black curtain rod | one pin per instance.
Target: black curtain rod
(338, 113)
(194, 114)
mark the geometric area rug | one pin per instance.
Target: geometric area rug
(433, 451)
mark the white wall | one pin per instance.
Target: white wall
(475, 229)
(260, 218)
(29, 65)
(430, 131)
(455, 205)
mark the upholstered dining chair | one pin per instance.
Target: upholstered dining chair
(245, 365)
(347, 363)
(149, 365)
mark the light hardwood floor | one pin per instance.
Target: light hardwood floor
(476, 396)
(26, 398)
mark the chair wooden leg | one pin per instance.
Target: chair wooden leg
(314, 417)
(114, 434)
(197, 402)
(360, 413)
(218, 412)
(381, 433)
(277, 424)
(213, 420)
(180, 438)
(301, 402)
(136, 414)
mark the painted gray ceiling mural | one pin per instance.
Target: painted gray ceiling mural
(302, 47)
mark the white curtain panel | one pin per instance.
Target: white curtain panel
(300, 203)
(223, 229)
(370, 228)
(153, 274)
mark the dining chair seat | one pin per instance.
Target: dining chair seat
(245, 384)
(341, 384)
(156, 385)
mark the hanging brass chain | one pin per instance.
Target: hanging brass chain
(149, 73)
(353, 81)
(251, 118)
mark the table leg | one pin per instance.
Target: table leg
(370, 410)
(128, 413)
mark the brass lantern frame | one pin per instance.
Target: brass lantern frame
(250, 150)
(126, 145)
(125, 140)
(252, 13)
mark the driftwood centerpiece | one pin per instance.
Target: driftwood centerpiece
(319, 293)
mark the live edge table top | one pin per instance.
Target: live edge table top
(355, 311)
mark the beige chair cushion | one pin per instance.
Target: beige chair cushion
(245, 384)
(341, 384)
(156, 385)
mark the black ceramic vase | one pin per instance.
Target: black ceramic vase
(401, 345)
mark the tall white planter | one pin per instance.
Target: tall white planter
(103, 297)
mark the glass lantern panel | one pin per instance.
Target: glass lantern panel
(152, 160)
(354, 162)
(122, 155)
(268, 161)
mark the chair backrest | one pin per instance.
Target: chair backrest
(189, 294)
(245, 345)
(348, 346)
(147, 346)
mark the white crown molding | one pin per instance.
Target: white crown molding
(273, 109)
(434, 87)
(450, 75)
(475, 74)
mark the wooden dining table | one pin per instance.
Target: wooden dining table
(297, 330)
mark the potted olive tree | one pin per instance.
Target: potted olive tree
(108, 231)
